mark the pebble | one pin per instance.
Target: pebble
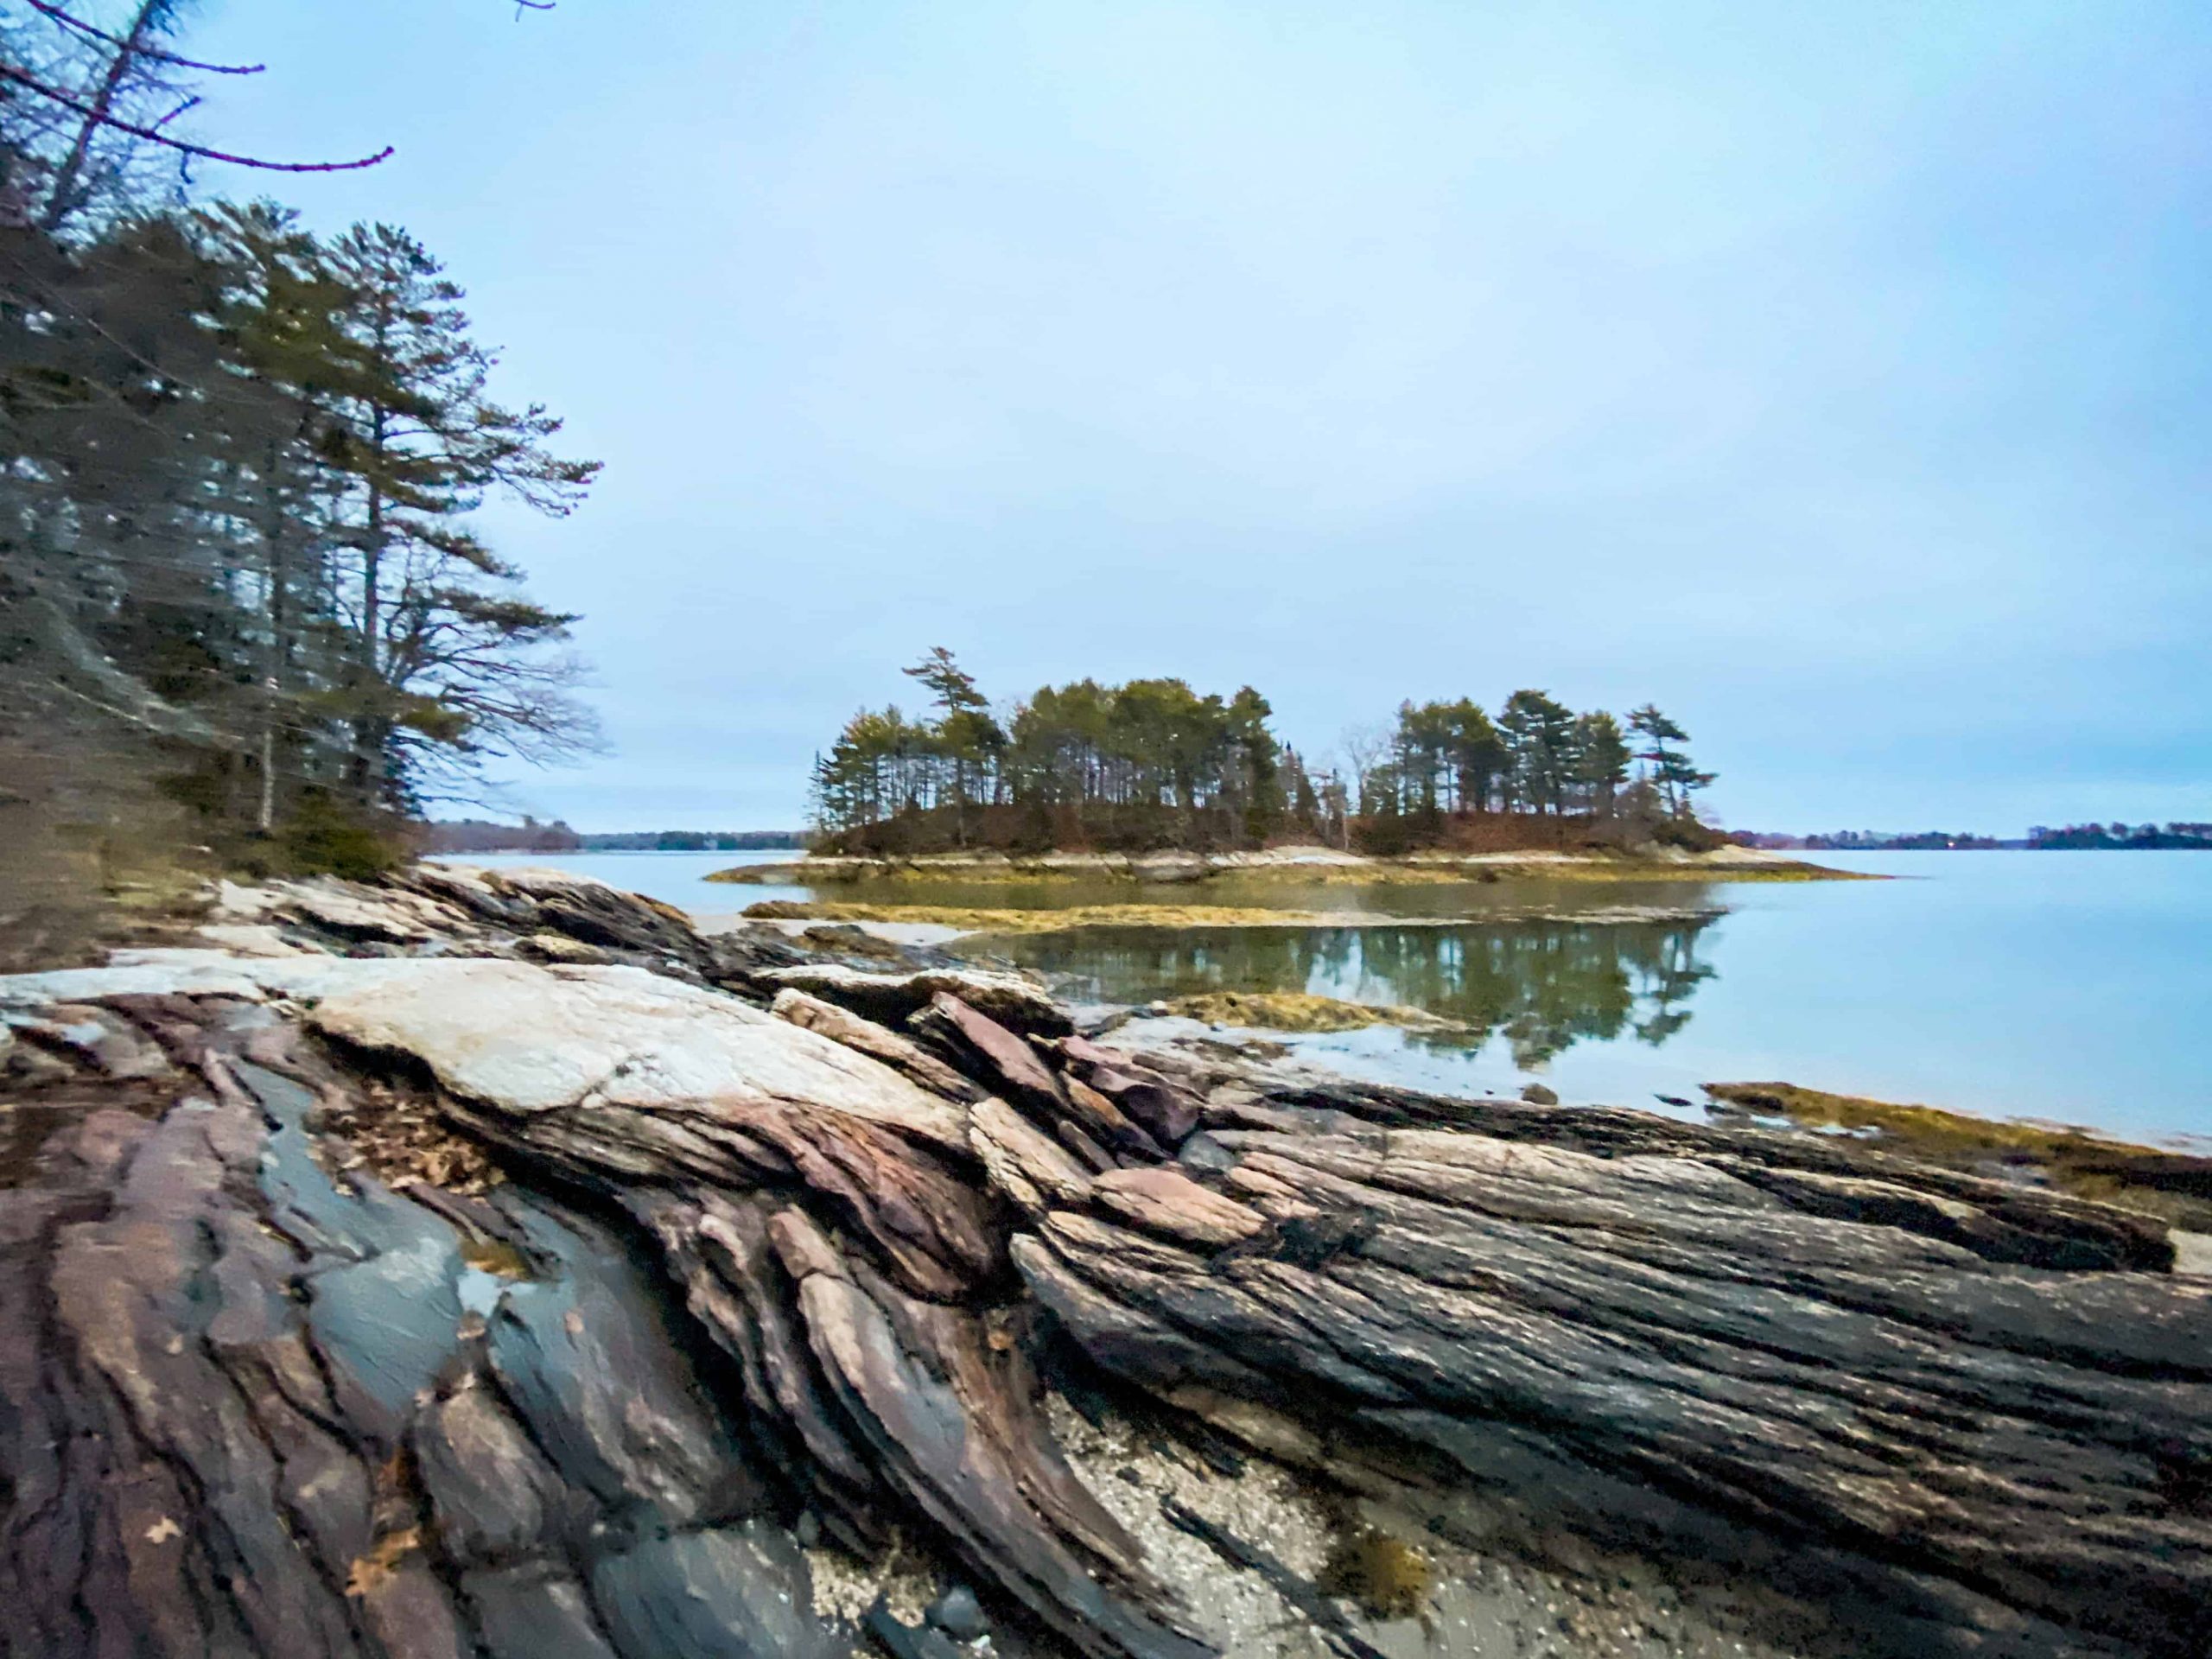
(957, 1613)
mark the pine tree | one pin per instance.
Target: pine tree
(1601, 759)
(1539, 735)
(1670, 770)
(277, 319)
(448, 662)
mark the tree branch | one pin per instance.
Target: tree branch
(189, 104)
(152, 54)
(8, 72)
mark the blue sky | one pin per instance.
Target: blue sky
(1834, 375)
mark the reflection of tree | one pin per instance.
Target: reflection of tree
(1541, 985)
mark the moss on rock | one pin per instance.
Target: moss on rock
(2176, 1186)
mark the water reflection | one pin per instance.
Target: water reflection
(1540, 985)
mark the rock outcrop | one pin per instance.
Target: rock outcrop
(531, 915)
(249, 1407)
(692, 1274)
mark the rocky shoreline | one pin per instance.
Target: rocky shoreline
(1309, 865)
(491, 1264)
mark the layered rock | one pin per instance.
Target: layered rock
(263, 1409)
(535, 915)
(248, 1409)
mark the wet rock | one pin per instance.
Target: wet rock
(721, 1590)
(1537, 1094)
(535, 1610)
(902, 1641)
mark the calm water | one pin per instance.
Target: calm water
(2073, 986)
(678, 879)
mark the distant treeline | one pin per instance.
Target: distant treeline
(474, 836)
(1152, 764)
(2042, 838)
(2122, 835)
(695, 841)
(1923, 841)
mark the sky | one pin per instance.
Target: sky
(1836, 375)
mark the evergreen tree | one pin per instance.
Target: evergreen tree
(1601, 759)
(1539, 738)
(446, 659)
(965, 735)
(1476, 752)
(1671, 770)
(1305, 800)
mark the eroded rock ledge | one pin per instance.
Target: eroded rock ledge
(712, 1274)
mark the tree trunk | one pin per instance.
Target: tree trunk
(371, 730)
(60, 201)
(272, 686)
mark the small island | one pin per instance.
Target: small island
(1151, 782)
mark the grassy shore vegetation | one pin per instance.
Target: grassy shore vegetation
(1152, 764)
(2173, 1185)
